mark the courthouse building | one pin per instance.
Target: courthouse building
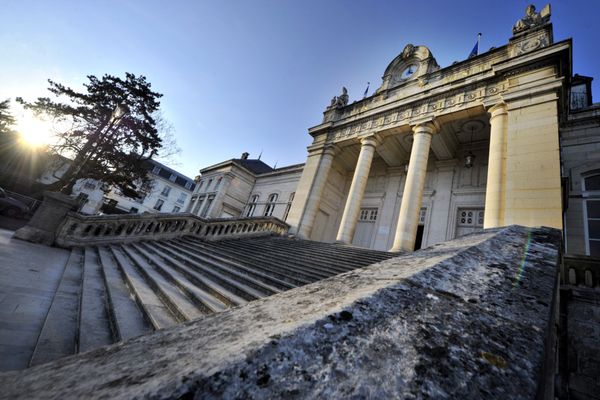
(509, 136)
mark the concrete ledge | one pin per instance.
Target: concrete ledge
(464, 319)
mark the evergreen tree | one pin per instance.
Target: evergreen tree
(108, 130)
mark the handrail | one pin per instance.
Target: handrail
(86, 230)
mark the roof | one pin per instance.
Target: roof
(255, 166)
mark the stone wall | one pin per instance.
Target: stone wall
(471, 318)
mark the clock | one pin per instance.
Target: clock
(409, 71)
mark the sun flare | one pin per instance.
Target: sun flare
(33, 131)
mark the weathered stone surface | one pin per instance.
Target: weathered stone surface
(464, 319)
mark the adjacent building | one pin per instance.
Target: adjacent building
(170, 192)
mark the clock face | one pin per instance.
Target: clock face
(409, 71)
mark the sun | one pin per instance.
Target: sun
(33, 131)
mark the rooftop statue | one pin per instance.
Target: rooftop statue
(532, 18)
(341, 100)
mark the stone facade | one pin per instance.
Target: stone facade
(244, 188)
(390, 171)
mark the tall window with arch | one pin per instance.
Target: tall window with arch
(251, 207)
(270, 204)
(591, 213)
(288, 206)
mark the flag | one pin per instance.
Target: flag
(366, 90)
(475, 50)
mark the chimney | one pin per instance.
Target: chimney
(245, 155)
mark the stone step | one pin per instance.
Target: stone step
(344, 249)
(334, 251)
(288, 258)
(129, 319)
(244, 287)
(171, 295)
(94, 323)
(216, 293)
(157, 312)
(299, 276)
(311, 258)
(207, 303)
(272, 278)
(240, 273)
(307, 274)
(58, 337)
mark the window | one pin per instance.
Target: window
(591, 185)
(156, 170)
(173, 177)
(368, 215)
(206, 208)
(188, 185)
(166, 190)
(159, 204)
(218, 184)
(593, 227)
(133, 210)
(198, 205)
(176, 209)
(422, 215)
(288, 206)
(270, 205)
(181, 198)
(251, 206)
(208, 185)
(469, 220)
(89, 185)
(592, 182)
(200, 185)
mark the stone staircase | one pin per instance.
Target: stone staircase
(114, 292)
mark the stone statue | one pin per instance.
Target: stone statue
(532, 18)
(341, 100)
(408, 51)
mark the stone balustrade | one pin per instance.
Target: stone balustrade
(581, 271)
(82, 230)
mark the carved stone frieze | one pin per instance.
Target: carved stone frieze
(403, 115)
(530, 43)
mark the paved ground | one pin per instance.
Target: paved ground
(29, 276)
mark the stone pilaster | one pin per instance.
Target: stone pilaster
(408, 219)
(217, 206)
(496, 178)
(440, 204)
(357, 190)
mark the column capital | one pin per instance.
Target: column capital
(371, 140)
(429, 127)
(497, 109)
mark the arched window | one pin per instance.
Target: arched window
(288, 206)
(591, 212)
(270, 205)
(251, 206)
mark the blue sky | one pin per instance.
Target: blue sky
(254, 75)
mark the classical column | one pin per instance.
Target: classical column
(408, 219)
(314, 194)
(495, 190)
(357, 190)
